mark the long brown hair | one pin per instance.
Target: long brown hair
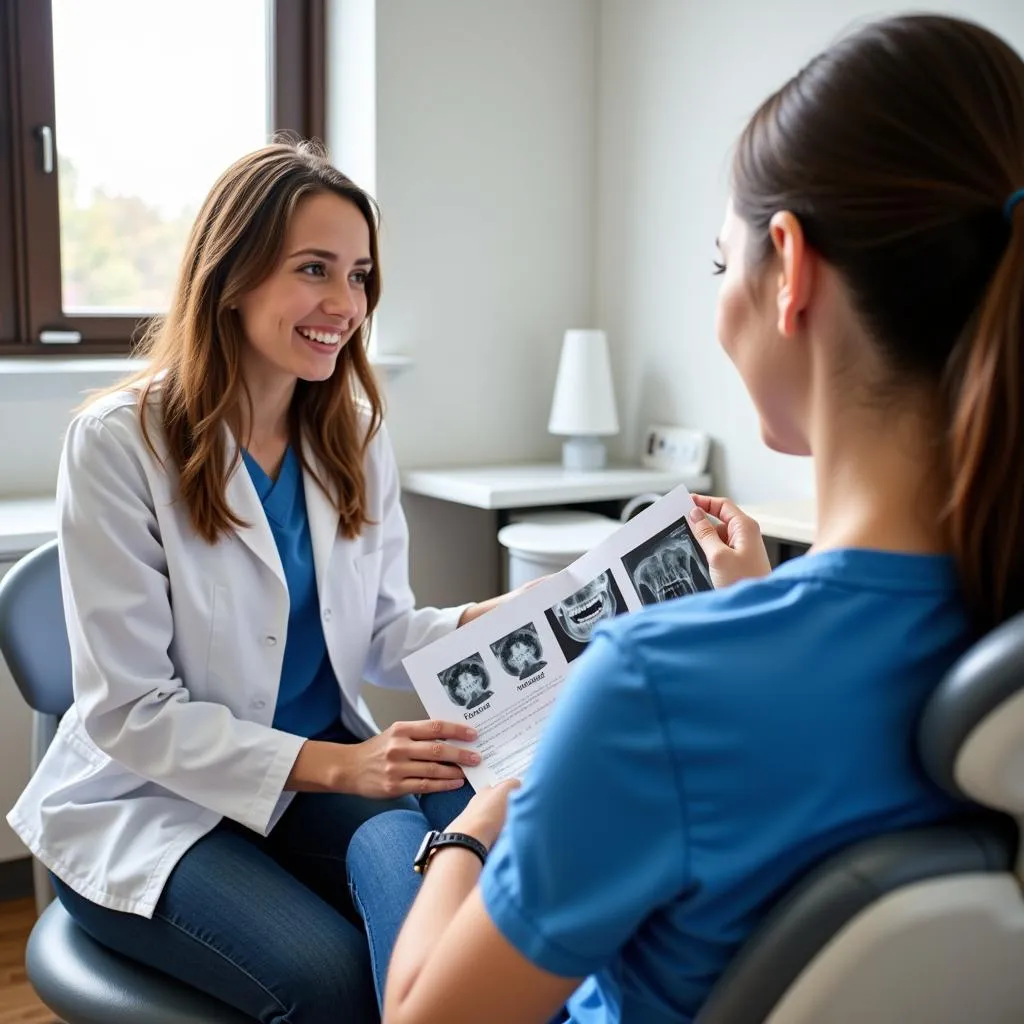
(194, 352)
(897, 149)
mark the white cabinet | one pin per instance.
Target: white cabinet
(15, 753)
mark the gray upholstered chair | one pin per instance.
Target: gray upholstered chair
(919, 927)
(81, 981)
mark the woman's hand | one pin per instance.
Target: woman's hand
(407, 757)
(734, 548)
(484, 815)
(474, 611)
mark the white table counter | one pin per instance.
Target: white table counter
(25, 523)
(540, 484)
(791, 522)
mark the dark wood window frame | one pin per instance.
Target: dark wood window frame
(30, 270)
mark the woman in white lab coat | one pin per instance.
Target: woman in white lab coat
(234, 565)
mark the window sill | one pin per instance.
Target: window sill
(28, 380)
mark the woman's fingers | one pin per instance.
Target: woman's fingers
(421, 751)
(720, 508)
(434, 729)
(430, 770)
(733, 546)
(735, 527)
(421, 785)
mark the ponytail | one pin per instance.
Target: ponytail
(985, 385)
(898, 148)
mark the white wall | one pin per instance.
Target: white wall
(486, 118)
(677, 81)
(31, 432)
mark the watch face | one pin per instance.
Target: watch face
(421, 854)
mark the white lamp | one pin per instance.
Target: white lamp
(584, 404)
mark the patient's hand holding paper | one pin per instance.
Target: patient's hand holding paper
(503, 670)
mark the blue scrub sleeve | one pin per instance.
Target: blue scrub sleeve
(596, 838)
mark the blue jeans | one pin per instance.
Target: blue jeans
(266, 924)
(381, 878)
(383, 883)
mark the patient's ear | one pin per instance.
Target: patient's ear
(796, 276)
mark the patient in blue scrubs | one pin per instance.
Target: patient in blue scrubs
(708, 750)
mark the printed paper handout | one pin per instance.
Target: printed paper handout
(502, 672)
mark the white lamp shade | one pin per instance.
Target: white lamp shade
(584, 402)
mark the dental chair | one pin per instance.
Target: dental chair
(924, 926)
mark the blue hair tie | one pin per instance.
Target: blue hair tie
(1010, 204)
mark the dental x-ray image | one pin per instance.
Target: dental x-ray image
(668, 565)
(467, 682)
(574, 620)
(520, 653)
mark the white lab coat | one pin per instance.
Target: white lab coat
(177, 647)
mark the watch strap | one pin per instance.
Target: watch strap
(434, 841)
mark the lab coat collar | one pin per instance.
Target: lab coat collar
(323, 519)
(245, 503)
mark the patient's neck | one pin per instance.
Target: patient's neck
(881, 477)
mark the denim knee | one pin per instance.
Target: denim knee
(441, 809)
(379, 838)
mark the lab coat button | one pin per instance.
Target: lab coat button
(259, 705)
(327, 615)
(270, 641)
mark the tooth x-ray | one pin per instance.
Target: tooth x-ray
(467, 682)
(520, 653)
(574, 620)
(668, 565)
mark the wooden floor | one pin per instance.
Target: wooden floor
(18, 1003)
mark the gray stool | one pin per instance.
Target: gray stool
(77, 978)
(85, 983)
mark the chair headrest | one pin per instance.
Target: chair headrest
(971, 736)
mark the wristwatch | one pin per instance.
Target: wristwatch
(435, 840)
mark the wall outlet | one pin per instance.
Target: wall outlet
(677, 449)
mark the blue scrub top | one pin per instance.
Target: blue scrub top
(309, 698)
(706, 752)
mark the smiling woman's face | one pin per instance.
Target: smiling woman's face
(299, 319)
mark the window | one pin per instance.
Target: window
(115, 118)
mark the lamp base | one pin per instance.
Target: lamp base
(583, 453)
